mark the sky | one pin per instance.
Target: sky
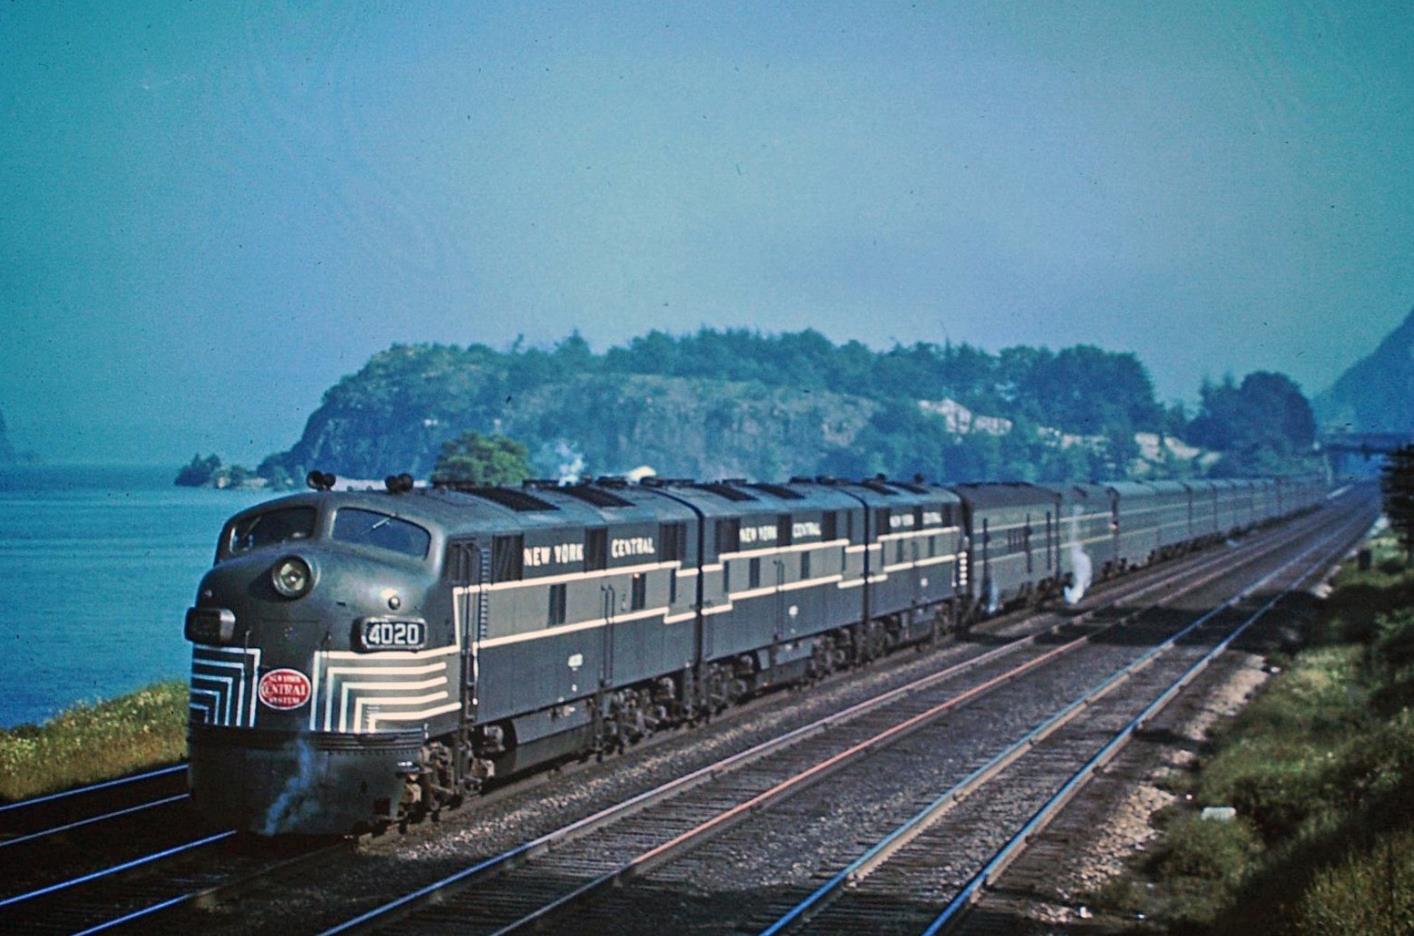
(209, 213)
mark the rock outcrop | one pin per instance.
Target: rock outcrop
(1376, 393)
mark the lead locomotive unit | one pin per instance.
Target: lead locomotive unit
(362, 658)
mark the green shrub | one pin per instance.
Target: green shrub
(1276, 764)
(95, 741)
(1393, 647)
(1317, 698)
(1214, 851)
(1320, 768)
(1370, 892)
(1375, 769)
(1280, 795)
(1360, 597)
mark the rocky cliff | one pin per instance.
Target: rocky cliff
(1376, 394)
(768, 417)
(600, 424)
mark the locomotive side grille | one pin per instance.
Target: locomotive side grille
(372, 694)
(222, 685)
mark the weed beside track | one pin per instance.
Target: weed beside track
(1319, 770)
(95, 741)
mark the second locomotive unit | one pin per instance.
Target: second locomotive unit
(362, 658)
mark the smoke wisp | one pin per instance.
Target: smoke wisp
(571, 466)
(299, 799)
(1081, 568)
(1081, 573)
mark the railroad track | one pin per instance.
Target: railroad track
(899, 884)
(67, 810)
(138, 888)
(61, 844)
(110, 853)
(543, 880)
(210, 869)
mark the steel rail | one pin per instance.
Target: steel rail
(31, 836)
(514, 857)
(115, 869)
(78, 791)
(214, 894)
(901, 835)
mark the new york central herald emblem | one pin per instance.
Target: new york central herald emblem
(284, 689)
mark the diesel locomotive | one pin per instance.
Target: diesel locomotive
(364, 658)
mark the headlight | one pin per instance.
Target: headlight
(292, 577)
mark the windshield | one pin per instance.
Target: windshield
(269, 528)
(370, 528)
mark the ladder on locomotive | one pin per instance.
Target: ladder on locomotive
(471, 565)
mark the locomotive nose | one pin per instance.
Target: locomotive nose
(316, 783)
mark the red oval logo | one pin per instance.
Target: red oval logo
(284, 689)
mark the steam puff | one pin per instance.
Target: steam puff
(1081, 573)
(993, 598)
(571, 465)
(1081, 569)
(299, 799)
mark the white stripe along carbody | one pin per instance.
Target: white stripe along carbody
(540, 623)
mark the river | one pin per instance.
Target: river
(98, 565)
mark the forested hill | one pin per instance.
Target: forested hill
(738, 403)
(1376, 394)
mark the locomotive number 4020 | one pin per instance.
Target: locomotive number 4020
(382, 634)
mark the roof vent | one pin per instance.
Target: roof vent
(784, 493)
(596, 496)
(722, 489)
(513, 498)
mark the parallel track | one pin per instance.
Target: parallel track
(33, 818)
(138, 888)
(892, 883)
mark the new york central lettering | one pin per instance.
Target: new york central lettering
(900, 520)
(759, 534)
(558, 554)
(633, 546)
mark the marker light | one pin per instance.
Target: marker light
(292, 577)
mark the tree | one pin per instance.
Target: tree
(483, 460)
(1111, 461)
(1397, 486)
(1261, 426)
(198, 471)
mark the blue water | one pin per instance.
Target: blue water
(97, 568)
